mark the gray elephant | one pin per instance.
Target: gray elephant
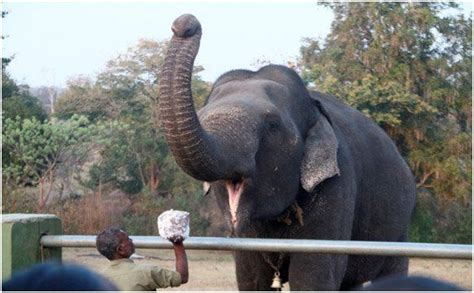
(287, 163)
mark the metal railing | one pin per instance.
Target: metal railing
(411, 249)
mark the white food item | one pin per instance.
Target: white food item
(172, 224)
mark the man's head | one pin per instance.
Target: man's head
(114, 243)
(55, 276)
(410, 283)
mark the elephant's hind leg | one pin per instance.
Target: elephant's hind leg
(394, 265)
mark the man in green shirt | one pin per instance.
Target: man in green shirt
(116, 246)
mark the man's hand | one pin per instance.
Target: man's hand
(176, 239)
(181, 258)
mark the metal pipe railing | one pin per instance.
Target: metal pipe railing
(411, 249)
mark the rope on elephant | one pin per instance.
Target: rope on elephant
(287, 215)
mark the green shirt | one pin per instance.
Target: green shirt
(129, 276)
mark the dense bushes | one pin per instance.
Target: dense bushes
(432, 223)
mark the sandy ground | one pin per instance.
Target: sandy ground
(214, 270)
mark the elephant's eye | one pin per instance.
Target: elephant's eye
(272, 121)
(273, 125)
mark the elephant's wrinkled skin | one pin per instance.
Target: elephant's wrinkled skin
(263, 142)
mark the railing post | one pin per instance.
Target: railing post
(21, 240)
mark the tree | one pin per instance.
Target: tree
(36, 149)
(82, 96)
(16, 99)
(136, 152)
(22, 104)
(9, 87)
(408, 66)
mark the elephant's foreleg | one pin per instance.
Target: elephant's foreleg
(316, 272)
(253, 274)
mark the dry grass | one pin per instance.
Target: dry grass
(455, 271)
(215, 270)
(89, 214)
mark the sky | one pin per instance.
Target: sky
(53, 42)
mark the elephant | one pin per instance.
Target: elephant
(289, 163)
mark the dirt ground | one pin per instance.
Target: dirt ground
(214, 270)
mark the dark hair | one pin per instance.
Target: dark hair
(410, 283)
(55, 276)
(107, 242)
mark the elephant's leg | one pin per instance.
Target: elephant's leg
(316, 272)
(395, 264)
(253, 273)
(350, 286)
(361, 269)
(331, 218)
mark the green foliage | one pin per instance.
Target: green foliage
(140, 219)
(124, 155)
(9, 86)
(34, 146)
(178, 191)
(386, 101)
(133, 148)
(24, 106)
(82, 97)
(33, 150)
(408, 66)
(16, 100)
(423, 228)
(430, 223)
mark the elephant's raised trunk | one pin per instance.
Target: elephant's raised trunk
(193, 149)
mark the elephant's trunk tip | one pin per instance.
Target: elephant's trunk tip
(185, 26)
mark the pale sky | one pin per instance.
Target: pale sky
(53, 42)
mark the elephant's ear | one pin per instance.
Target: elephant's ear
(320, 154)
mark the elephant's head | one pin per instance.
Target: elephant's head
(257, 141)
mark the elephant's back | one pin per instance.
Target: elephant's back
(347, 118)
(385, 185)
(362, 135)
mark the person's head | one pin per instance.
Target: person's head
(410, 283)
(55, 276)
(114, 243)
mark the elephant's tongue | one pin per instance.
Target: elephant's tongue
(234, 189)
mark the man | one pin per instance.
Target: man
(116, 246)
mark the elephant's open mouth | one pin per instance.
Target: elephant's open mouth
(235, 189)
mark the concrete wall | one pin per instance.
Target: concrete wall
(21, 240)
